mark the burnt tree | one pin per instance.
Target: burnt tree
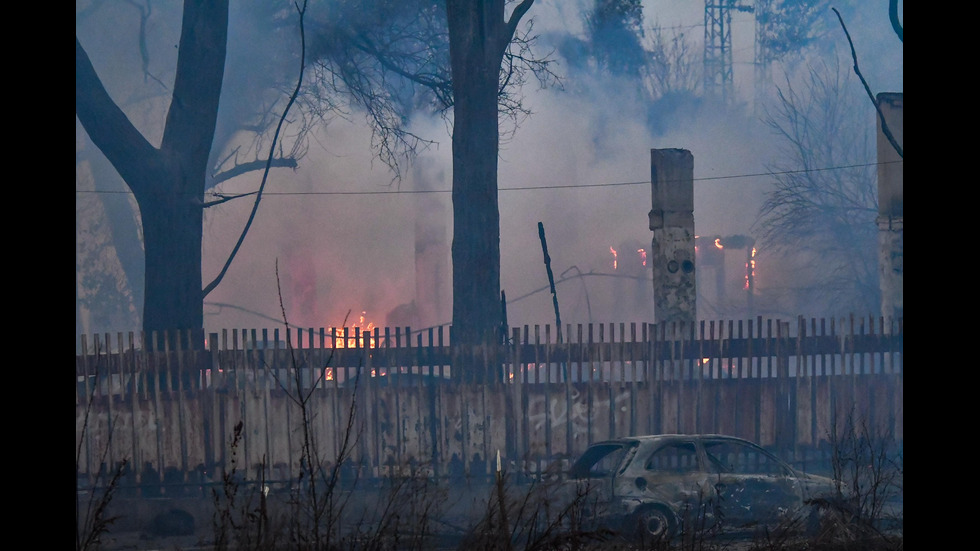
(479, 35)
(168, 182)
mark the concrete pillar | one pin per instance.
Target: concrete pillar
(672, 223)
(890, 186)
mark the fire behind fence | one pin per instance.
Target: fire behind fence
(420, 403)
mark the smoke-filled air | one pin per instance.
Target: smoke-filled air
(355, 227)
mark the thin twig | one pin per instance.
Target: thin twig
(881, 116)
(268, 164)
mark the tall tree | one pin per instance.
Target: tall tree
(479, 35)
(168, 182)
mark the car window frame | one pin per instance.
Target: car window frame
(626, 449)
(695, 448)
(785, 470)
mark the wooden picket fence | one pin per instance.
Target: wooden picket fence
(417, 403)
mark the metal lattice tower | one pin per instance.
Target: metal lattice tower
(718, 77)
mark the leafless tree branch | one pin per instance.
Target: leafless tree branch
(258, 196)
(881, 116)
(388, 60)
(222, 198)
(893, 17)
(249, 166)
(518, 61)
(673, 66)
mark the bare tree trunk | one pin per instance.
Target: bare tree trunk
(478, 39)
(172, 234)
(168, 182)
(476, 216)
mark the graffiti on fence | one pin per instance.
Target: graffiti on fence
(576, 414)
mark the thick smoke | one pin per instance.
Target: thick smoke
(340, 256)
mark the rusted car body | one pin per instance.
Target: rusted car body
(656, 486)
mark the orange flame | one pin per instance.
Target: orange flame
(613, 251)
(348, 337)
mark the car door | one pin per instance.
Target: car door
(592, 476)
(753, 487)
(675, 476)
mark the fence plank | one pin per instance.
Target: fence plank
(83, 461)
(632, 384)
(569, 449)
(548, 436)
(518, 417)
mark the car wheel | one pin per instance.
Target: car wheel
(654, 523)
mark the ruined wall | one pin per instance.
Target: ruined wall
(672, 223)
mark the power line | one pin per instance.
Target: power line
(532, 188)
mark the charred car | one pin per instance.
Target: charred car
(652, 487)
